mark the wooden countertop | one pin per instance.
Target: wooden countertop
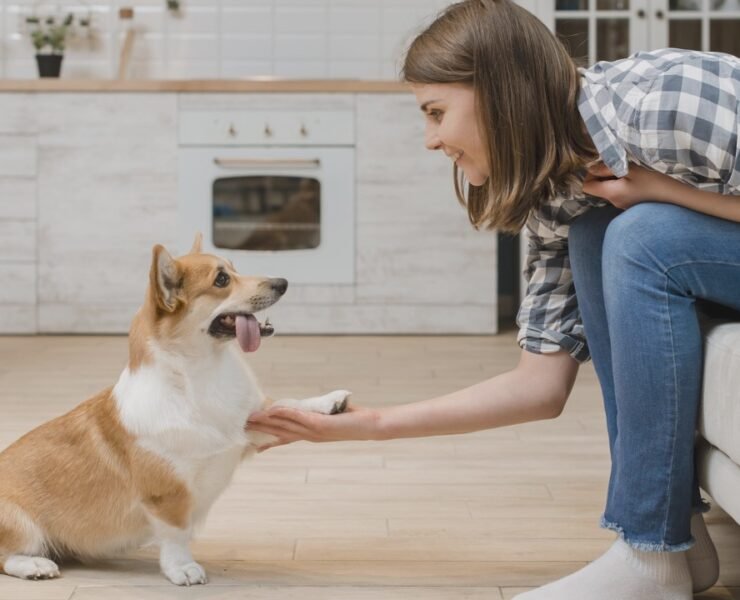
(266, 85)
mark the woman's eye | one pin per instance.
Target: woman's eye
(435, 115)
(222, 280)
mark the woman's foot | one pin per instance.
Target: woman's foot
(623, 573)
(702, 556)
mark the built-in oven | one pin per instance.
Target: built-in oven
(271, 191)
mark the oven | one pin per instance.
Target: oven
(273, 191)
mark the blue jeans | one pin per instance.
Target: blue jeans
(638, 275)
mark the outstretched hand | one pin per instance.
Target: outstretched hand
(639, 185)
(290, 425)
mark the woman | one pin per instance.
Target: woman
(626, 177)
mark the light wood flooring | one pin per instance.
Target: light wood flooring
(478, 516)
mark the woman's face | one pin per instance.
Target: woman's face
(452, 126)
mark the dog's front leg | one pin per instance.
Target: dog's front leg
(329, 404)
(169, 516)
(175, 559)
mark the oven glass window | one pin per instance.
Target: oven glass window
(266, 213)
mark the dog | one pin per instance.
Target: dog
(144, 460)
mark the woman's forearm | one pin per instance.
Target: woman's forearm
(723, 206)
(535, 390)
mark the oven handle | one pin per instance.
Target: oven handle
(240, 163)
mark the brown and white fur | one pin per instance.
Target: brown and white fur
(145, 459)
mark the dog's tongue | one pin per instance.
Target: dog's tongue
(248, 332)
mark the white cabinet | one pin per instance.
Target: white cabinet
(18, 163)
(106, 195)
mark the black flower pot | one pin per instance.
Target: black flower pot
(50, 65)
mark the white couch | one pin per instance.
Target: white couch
(718, 443)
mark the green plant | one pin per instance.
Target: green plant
(49, 32)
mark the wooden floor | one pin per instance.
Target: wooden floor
(479, 516)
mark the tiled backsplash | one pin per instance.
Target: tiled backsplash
(358, 39)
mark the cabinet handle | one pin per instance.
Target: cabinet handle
(659, 14)
(268, 131)
(232, 130)
(304, 131)
(240, 163)
(641, 13)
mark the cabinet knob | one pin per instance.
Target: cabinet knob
(232, 130)
(304, 131)
(641, 13)
(659, 14)
(268, 131)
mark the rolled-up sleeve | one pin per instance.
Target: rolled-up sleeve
(549, 319)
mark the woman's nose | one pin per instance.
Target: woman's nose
(431, 140)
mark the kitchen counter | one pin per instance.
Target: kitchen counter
(203, 85)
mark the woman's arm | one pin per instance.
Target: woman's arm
(536, 389)
(642, 184)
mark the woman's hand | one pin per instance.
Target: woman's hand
(639, 185)
(290, 425)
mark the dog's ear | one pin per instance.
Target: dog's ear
(197, 244)
(165, 279)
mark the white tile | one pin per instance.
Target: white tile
(18, 113)
(147, 69)
(354, 47)
(81, 69)
(298, 19)
(199, 47)
(192, 69)
(246, 48)
(354, 69)
(348, 19)
(394, 45)
(17, 198)
(395, 19)
(300, 47)
(301, 69)
(194, 19)
(19, 285)
(233, 69)
(245, 20)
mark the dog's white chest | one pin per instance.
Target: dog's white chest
(189, 413)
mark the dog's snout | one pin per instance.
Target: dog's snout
(279, 285)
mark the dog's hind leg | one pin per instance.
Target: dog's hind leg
(22, 545)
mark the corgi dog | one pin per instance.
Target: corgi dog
(143, 460)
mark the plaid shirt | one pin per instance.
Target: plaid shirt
(674, 111)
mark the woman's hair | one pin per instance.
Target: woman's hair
(526, 91)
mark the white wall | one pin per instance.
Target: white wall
(227, 38)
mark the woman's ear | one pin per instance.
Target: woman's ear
(165, 279)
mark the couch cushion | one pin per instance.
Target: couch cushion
(720, 412)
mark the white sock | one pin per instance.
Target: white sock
(702, 556)
(623, 573)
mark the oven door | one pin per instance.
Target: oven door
(277, 211)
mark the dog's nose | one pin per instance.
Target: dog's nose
(279, 285)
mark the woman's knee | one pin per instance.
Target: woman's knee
(642, 235)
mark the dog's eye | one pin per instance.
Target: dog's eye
(222, 279)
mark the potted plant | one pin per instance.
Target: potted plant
(51, 33)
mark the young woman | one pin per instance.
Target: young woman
(626, 177)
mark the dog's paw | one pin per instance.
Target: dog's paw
(336, 402)
(31, 567)
(188, 574)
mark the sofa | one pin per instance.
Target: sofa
(718, 438)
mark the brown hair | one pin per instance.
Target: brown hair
(526, 90)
